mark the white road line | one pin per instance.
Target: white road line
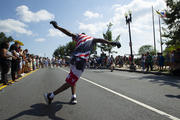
(132, 100)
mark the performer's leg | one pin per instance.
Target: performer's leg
(73, 99)
(62, 88)
(70, 82)
(73, 89)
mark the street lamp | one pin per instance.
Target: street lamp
(128, 17)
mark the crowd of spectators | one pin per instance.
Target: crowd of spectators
(18, 62)
(146, 62)
(13, 58)
(59, 62)
(158, 62)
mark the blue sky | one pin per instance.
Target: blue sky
(28, 21)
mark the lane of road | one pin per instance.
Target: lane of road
(161, 92)
(24, 99)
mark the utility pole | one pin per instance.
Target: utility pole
(128, 17)
(153, 30)
(160, 33)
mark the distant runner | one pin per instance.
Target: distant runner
(84, 46)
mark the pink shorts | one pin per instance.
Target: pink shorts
(74, 75)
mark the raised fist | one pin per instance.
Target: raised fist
(118, 44)
(54, 23)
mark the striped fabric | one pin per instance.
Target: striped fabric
(82, 40)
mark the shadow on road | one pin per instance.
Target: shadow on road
(163, 80)
(42, 110)
(173, 96)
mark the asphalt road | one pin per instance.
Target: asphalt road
(102, 95)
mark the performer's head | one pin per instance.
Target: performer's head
(83, 33)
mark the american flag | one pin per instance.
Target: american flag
(162, 13)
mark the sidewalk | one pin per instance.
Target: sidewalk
(156, 72)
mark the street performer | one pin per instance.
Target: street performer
(84, 46)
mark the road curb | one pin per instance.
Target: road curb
(3, 86)
(156, 73)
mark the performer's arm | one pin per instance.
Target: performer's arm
(100, 40)
(62, 29)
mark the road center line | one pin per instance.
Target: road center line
(130, 99)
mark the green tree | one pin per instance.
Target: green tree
(108, 36)
(146, 48)
(60, 52)
(70, 47)
(4, 38)
(172, 20)
(65, 50)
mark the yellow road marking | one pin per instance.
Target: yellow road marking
(3, 86)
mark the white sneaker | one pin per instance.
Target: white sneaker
(47, 98)
(73, 100)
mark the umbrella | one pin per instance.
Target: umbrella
(19, 42)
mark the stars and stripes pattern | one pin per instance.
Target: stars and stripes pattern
(82, 39)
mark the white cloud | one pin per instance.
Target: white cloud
(141, 26)
(28, 16)
(90, 14)
(138, 8)
(40, 40)
(54, 33)
(92, 28)
(135, 5)
(11, 25)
